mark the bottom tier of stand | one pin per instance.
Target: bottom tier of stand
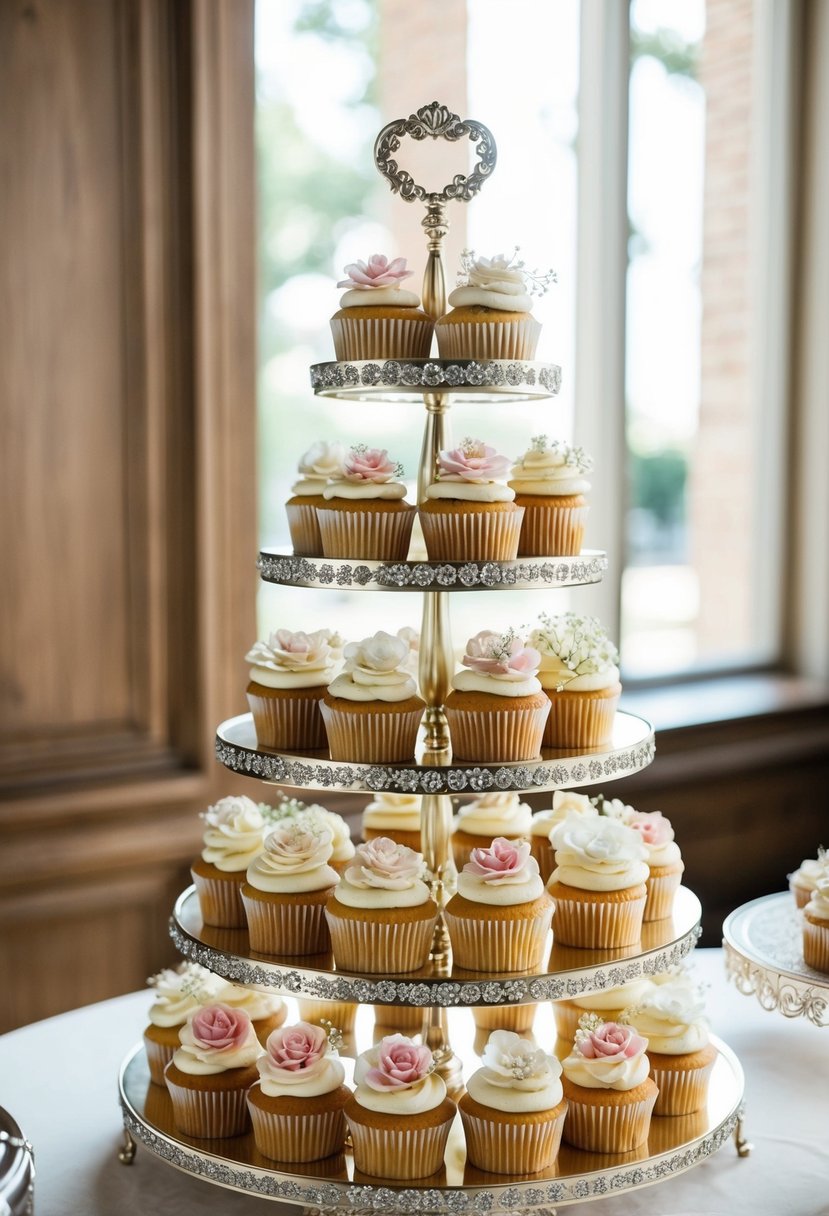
(674, 1145)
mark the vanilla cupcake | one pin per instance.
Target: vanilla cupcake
(671, 1017)
(497, 813)
(664, 862)
(514, 1107)
(266, 1010)
(565, 802)
(804, 879)
(598, 884)
(467, 513)
(609, 1004)
(610, 1097)
(381, 916)
(320, 463)
(178, 995)
(371, 710)
(490, 315)
(289, 675)
(816, 927)
(550, 484)
(364, 514)
(497, 708)
(234, 835)
(396, 816)
(286, 889)
(500, 916)
(211, 1072)
(297, 1105)
(579, 673)
(399, 1116)
(377, 318)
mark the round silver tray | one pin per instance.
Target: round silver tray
(674, 1145)
(567, 972)
(484, 380)
(762, 944)
(631, 749)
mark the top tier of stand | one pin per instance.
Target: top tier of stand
(496, 381)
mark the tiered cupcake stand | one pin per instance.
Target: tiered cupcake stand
(443, 994)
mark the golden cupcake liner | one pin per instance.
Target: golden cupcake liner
(659, 903)
(489, 339)
(381, 536)
(220, 901)
(579, 719)
(298, 1137)
(407, 1019)
(208, 1114)
(381, 337)
(505, 1017)
(382, 736)
(483, 535)
(802, 895)
(304, 529)
(544, 854)
(682, 1091)
(597, 926)
(341, 1014)
(608, 1129)
(500, 734)
(816, 945)
(286, 928)
(552, 531)
(159, 1056)
(380, 947)
(399, 1153)
(288, 722)
(497, 945)
(511, 1148)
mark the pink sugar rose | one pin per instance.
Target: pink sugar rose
(401, 1063)
(653, 827)
(369, 464)
(503, 859)
(496, 654)
(385, 864)
(610, 1042)
(297, 1047)
(300, 648)
(473, 461)
(378, 271)
(220, 1027)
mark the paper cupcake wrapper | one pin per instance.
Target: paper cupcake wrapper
(340, 1014)
(489, 339)
(544, 854)
(289, 929)
(398, 1153)
(304, 529)
(405, 1018)
(285, 722)
(578, 719)
(511, 1148)
(499, 735)
(209, 1113)
(816, 946)
(608, 1129)
(298, 1137)
(660, 899)
(381, 337)
(597, 926)
(220, 901)
(802, 895)
(682, 1091)
(370, 535)
(159, 1056)
(505, 1017)
(372, 738)
(497, 945)
(556, 531)
(380, 948)
(472, 536)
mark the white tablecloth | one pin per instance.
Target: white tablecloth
(58, 1078)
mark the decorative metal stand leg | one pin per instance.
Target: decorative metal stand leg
(126, 1153)
(743, 1146)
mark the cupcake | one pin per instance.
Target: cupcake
(816, 927)
(804, 879)
(610, 1096)
(371, 710)
(265, 1009)
(296, 1107)
(234, 835)
(467, 513)
(490, 315)
(550, 485)
(211, 1072)
(178, 995)
(286, 889)
(496, 813)
(399, 1116)
(377, 318)
(500, 916)
(579, 674)
(396, 816)
(514, 1107)
(565, 802)
(381, 916)
(598, 884)
(364, 514)
(609, 1005)
(671, 1017)
(497, 708)
(289, 676)
(321, 462)
(664, 862)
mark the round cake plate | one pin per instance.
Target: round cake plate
(477, 381)
(630, 749)
(762, 945)
(523, 574)
(674, 1145)
(567, 972)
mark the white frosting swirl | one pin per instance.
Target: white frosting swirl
(517, 1076)
(342, 846)
(470, 491)
(424, 1095)
(492, 283)
(375, 670)
(395, 297)
(565, 803)
(199, 1061)
(818, 905)
(294, 859)
(359, 491)
(522, 887)
(556, 675)
(495, 814)
(234, 833)
(598, 854)
(671, 1016)
(477, 681)
(322, 461)
(551, 469)
(322, 1077)
(384, 875)
(292, 660)
(621, 1074)
(397, 811)
(810, 871)
(180, 993)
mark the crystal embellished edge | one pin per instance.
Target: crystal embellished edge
(509, 378)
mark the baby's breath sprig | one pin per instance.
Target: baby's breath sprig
(588, 1022)
(537, 282)
(500, 647)
(360, 449)
(579, 642)
(286, 808)
(574, 456)
(335, 1035)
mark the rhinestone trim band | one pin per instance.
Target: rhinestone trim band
(495, 379)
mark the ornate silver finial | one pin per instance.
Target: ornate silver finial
(435, 121)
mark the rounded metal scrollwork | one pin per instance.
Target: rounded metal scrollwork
(435, 121)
